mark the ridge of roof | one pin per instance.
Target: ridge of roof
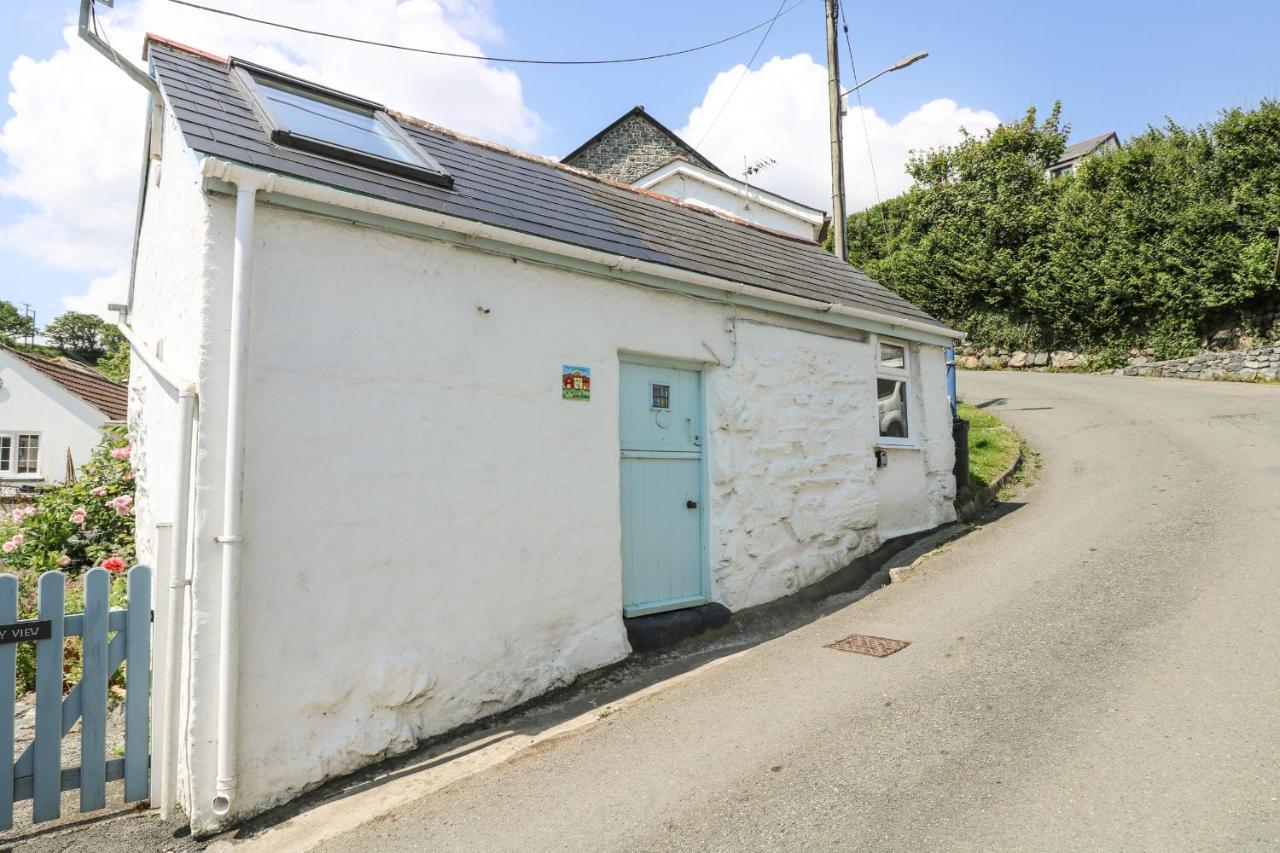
(151, 37)
(108, 397)
(639, 110)
(525, 155)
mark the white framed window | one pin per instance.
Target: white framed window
(20, 454)
(314, 118)
(893, 392)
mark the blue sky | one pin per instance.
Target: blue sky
(1115, 66)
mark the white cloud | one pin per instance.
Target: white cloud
(780, 111)
(103, 291)
(73, 145)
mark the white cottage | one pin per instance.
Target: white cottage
(462, 410)
(51, 411)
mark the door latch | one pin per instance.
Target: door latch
(691, 504)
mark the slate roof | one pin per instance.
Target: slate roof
(1076, 150)
(110, 398)
(639, 112)
(523, 193)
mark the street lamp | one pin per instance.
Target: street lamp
(897, 66)
(839, 238)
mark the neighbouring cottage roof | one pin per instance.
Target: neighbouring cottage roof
(632, 146)
(110, 398)
(1085, 147)
(522, 192)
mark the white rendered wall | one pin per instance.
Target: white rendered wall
(176, 279)
(687, 188)
(32, 402)
(431, 532)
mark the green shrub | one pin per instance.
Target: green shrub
(72, 528)
(1155, 245)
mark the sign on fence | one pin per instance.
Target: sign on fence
(109, 638)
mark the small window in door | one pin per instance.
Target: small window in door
(661, 396)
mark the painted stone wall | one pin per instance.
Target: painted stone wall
(377, 605)
(630, 151)
(792, 474)
(177, 278)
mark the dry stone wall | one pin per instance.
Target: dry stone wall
(1252, 364)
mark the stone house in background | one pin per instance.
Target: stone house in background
(639, 150)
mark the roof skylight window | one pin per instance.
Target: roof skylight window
(313, 118)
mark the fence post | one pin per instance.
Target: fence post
(137, 700)
(8, 684)
(93, 692)
(47, 765)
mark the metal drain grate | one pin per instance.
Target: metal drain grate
(863, 644)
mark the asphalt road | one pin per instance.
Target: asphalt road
(1099, 669)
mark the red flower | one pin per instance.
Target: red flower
(113, 564)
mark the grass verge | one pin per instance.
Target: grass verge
(992, 449)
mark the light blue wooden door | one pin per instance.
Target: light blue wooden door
(662, 506)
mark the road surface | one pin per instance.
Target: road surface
(1099, 669)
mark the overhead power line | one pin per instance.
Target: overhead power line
(507, 59)
(745, 71)
(862, 113)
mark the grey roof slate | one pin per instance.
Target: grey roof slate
(1076, 150)
(523, 193)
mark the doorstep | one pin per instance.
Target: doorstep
(658, 631)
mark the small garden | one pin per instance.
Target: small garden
(72, 528)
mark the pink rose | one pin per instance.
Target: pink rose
(17, 515)
(113, 564)
(9, 547)
(78, 515)
(64, 561)
(18, 538)
(100, 491)
(121, 452)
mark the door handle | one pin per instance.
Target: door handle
(691, 504)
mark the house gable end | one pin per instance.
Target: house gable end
(633, 146)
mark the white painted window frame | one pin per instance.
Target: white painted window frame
(11, 473)
(896, 374)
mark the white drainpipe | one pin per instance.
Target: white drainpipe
(247, 186)
(180, 571)
(179, 581)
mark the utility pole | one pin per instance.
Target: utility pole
(839, 223)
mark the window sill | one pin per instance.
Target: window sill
(911, 446)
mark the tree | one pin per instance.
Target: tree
(115, 363)
(76, 332)
(1156, 244)
(14, 325)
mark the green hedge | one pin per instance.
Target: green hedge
(1155, 245)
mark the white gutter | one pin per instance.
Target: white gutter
(234, 173)
(180, 577)
(248, 182)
